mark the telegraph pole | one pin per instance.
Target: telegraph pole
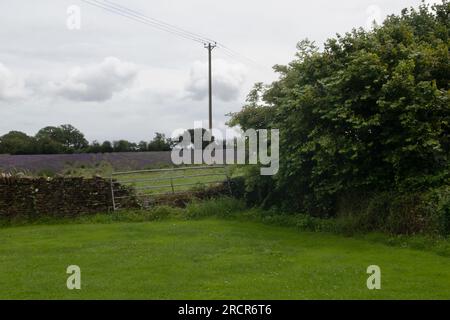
(210, 46)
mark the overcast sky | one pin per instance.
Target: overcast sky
(116, 78)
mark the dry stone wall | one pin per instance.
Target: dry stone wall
(61, 196)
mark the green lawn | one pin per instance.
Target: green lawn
(209, 259)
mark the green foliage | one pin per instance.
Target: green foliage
(49, 140)
(396, 213)
(16, 142)
(66, 139)
(370, 112)
(124, 146)
(254, 115)
(220, 207)
(437, 201)
(160, 143)
(66, 135)
(188, 138)
(107, 147)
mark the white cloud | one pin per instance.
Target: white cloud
(96, 82)
(11, 86)
(39, 50)
(228, 79)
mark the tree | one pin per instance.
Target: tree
(46, 145)
(370, 112)
(159, 143)
(142, 146)
(70, 138)
(94, 147)
(16, 142)
(51, 132)
(255, 114)
(124, 146)
(200, 132)
(107, 147)
(67, 139)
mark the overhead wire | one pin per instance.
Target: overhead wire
(137, 18)
(195, 35)
(121, 10)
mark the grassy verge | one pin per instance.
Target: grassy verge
(208, 258)
(232, 209)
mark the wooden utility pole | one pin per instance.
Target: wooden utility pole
(210, 46)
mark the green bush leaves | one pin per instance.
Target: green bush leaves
(370, 112)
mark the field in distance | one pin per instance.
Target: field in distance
(84, 163)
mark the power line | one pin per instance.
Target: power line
(134, 15)
(141, 20)
(174, 30)
(161, 22)
(235, 55)
(137, 16)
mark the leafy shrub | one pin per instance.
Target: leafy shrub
(221, 207)
(424, 212)
(368, 113)
(438, 204)
(407, 216)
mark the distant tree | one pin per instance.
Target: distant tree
(192, 133)
(49, 132)
(16, 142)
(94, 147)
(107, 147)
(160, 143)
(70, 138)
(142, 146)
(67, 139)
(46, 145)
(124, 146)
(73, 138)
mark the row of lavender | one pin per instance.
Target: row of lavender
(57, 163)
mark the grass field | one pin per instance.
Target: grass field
(172, 180)
(209, 259)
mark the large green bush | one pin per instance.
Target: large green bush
(370, 113)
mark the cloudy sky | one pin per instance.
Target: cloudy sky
(117, 78)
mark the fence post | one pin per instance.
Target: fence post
(229, 180)
(171, 183)
(112, 193)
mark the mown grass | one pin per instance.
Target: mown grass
(232, 209)
(210, 250)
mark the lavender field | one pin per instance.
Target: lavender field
(59, 163)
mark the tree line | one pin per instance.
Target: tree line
(66, 139)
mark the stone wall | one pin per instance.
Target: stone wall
(62, 196)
